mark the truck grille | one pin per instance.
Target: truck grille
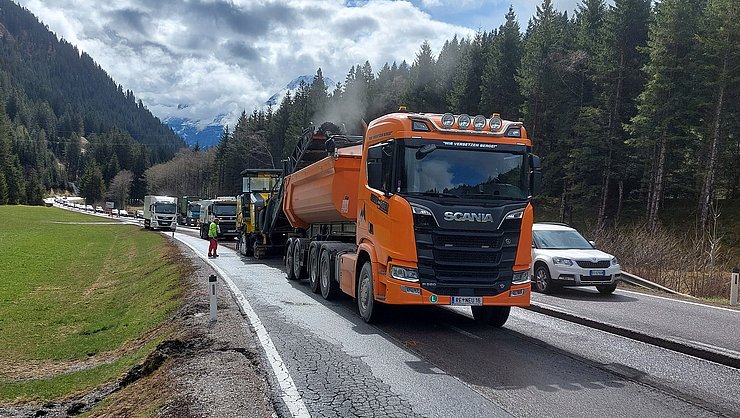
(467, 263)
(602, 264)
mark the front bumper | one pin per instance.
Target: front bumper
(398, 292)
(579, 276)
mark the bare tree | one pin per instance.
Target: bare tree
(120, 187)
(189, 173)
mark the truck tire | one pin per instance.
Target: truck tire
(369, 308)
(313, 267)
(289, 259)
(299, 249)
(492, 315)
(329, 287)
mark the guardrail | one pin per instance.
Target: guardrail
(639, 281)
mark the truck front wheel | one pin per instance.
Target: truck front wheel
(491, 315)
(369, 310)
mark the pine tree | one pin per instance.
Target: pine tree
(422, 94)
(719, 55)
(499, 89)
(667, 108)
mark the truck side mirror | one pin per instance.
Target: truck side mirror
(535, 179)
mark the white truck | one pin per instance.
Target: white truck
(223, 208)
(160, 212)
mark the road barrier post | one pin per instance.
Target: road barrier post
(212, 293)
(734, 285)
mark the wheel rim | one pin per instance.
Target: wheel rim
(312, 267)
(364, 294)
(296, 259)
(289, 260)
(541, 279)
(324, 273)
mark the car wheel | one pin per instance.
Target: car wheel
(492, 315)
(542, 281)
(606, 289)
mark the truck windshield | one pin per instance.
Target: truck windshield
(464, 173)
(224, 210)
(194, 208)
(170, 208)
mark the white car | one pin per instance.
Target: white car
(123, 212)
(562, 257)
(99, 209)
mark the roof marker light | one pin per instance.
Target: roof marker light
(448, 119)
(463, 121)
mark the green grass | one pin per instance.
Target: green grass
(71, 291)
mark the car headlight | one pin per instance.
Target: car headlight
(563, 261)
(520, 277)
(614, 261)
(405, 273)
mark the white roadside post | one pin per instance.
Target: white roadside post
(212, 292)
(734, 285)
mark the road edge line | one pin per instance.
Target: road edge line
(290, 395)
(699, 352)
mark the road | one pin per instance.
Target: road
(438, 362)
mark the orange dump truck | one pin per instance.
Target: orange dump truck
(427, 209)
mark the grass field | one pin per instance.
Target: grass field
(81, 301)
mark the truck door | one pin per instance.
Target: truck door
(374, 215)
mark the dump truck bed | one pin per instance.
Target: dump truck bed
(325, 191)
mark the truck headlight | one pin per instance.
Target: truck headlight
(405, 273)
(520, 277)
(563, 261)
(423, 217)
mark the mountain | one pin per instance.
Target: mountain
(51, 95)
(291, 87)
(192, 133)
(209, 134)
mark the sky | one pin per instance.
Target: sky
(198, 59)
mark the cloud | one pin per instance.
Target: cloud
(225, 56)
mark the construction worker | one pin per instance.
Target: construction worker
(213, 231)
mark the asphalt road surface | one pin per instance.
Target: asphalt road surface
(438, 362)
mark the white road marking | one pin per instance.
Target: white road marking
(290, 394)
(463, 332)
(682, 301)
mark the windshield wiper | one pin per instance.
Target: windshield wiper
(437, 194)
(497, 197)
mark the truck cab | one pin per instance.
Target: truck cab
(160, 212)
(223, 208)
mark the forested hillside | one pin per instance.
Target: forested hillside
(634, 108)
(62, 117)
(625, 103)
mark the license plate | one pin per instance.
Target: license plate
(467, 300)
(598, 273)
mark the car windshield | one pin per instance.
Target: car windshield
(560, 240)
(166, 208)
(224, 210)
(464, 173)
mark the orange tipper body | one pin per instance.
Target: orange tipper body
(325, 191)
(440, 210)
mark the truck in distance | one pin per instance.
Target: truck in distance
(223, 208)
(160, 212)
(188, 210)
(429, 209)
